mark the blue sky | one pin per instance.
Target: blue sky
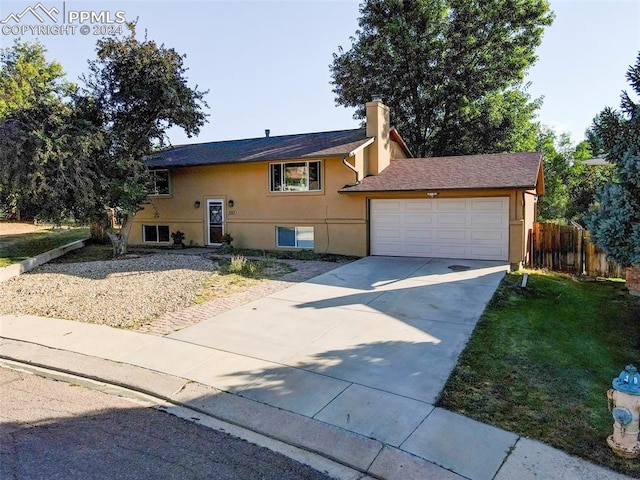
(265, 63)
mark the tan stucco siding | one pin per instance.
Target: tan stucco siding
(339, 221)
(397, 151)
(529, 219)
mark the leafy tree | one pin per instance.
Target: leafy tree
(556, 158)
(26, 77)
(37, 134)
(615, 225)
(138, 90)
(446, 67)
(47, 155)
(498, 122)
(65, 153)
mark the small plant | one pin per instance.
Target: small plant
(178, 238)
(226, 246)
(253, 269)
(238, 264)
(227, 239)
(305, 255)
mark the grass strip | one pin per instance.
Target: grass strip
(542, 358)
(29, 245)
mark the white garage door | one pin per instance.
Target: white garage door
(472, 228)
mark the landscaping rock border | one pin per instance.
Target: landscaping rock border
(30, 263)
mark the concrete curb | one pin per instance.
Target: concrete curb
(30, 263)
(363, 457)
(366, 455)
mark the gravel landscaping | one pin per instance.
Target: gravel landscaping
(122, 293)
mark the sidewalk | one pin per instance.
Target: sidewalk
(455, 447)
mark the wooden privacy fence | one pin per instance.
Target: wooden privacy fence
(567, 248)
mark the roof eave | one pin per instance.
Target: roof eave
(540, 187)
(439, 189)
(359, 148)
(252, 160)
(395, 135)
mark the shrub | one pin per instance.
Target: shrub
(178, 237)
(227, 239)
(238, 264)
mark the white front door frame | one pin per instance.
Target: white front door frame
(215, 214)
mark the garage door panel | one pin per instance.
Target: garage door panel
(390, 206)
(395, 235)
(415, 219)
(419, 235)
(418, 206)
(418, 250)
(451, 251)
(395, 249)
(485, 252)
(452, 219)
(488, 235)
(494, 220)
(450, 205)
(491, 205)
(452, 236)
(471, 228)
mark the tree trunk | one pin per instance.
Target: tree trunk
(98, 233)
(120, 238)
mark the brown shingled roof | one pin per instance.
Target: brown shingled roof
(305, 145)
(504, 170)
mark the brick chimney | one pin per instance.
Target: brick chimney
(379, 153)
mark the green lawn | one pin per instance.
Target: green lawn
(542, 358)
(31, 244)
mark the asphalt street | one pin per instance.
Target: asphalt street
(57, 430)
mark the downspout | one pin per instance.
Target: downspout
(351, 167)
(353, 154)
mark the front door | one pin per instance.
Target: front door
(215, 221)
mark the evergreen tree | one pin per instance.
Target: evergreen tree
(615, 225)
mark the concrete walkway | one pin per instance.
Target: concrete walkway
(348, 364)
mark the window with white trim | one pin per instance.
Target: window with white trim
(155, 233)
(160, 182)
(295, 176)
(294, 237)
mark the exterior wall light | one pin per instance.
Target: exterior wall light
(230, 203)
(432, 194)
(196, 204)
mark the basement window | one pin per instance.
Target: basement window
(294, 237)
(155, 233)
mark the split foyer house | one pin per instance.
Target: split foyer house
(352, 192)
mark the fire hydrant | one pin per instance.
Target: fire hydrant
(625, 397)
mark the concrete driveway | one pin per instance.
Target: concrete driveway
(353, 360)
(367, 346)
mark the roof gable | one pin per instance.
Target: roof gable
(505, 170)
(307, 145)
